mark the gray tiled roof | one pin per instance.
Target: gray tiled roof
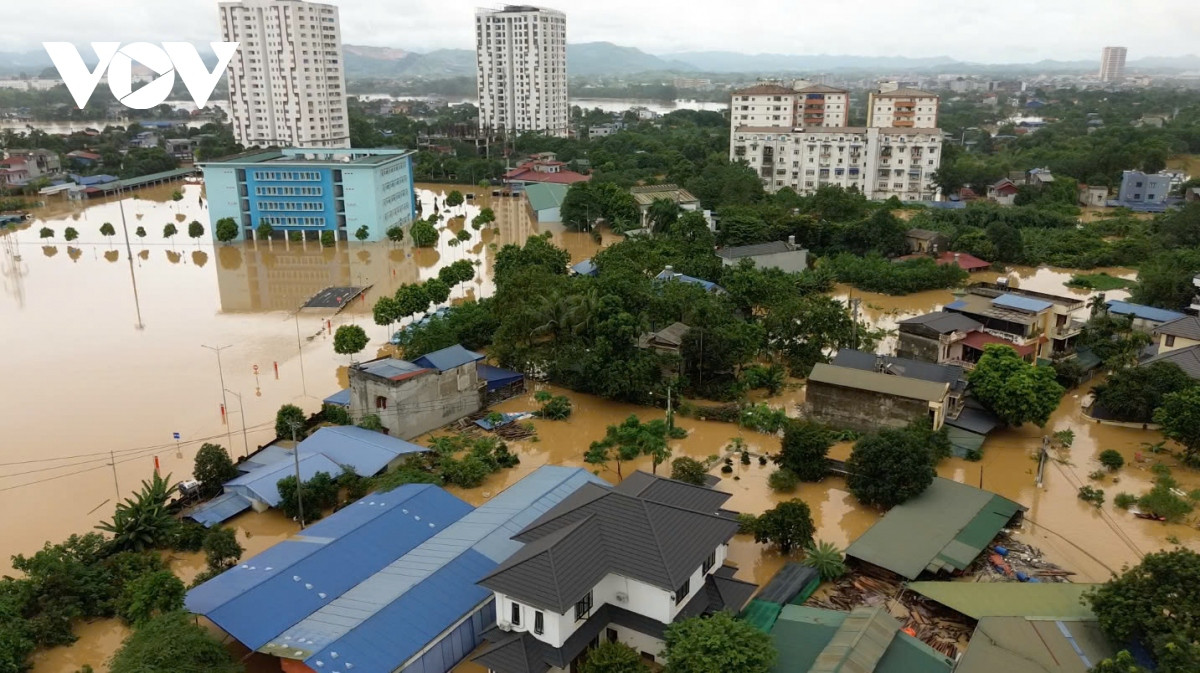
(1187, 327)
(944, 322)
(1188, 360)
(756, 249)
(671, 492)
(658, 536)
(904, 367)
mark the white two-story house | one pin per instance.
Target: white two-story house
(618, 564)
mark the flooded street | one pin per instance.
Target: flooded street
(105, 360)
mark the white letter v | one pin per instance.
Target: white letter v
(79, 80)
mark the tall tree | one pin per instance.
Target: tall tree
(889, 467)
(717, 644)
(172, 643)
(1013, 389)
(213, 467)
(226, 230)
(349, 339)
(1179, 416)
(627, 441)
(803, 450)
(787, 525)
(195, 230)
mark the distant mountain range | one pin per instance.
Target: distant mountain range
(608, 59)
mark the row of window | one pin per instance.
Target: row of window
(310, 176)
(278, 221)
(288, 191)
(292, 205)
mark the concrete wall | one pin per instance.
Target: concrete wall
(419, 404)
(1137, 187)
(917, 347)
(1176, 343)
(861, 410)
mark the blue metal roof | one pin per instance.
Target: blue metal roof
(221, 508)
(706, 284)
(366, 451)
(585, 268)
(262, 484)
(498, 378)
(1021, 303)
(274, 590)
(448, 358)
(268, 455)
(960, 304)
(1141, 311)
(387, 618)
(340, 398)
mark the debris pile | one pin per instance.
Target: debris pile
(1008, 560)
(937, 626)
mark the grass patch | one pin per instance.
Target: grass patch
(1099, 281)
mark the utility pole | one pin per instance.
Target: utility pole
(854, 301)
(221, 374)
(129, 251)
(299, 484)
(670, 416)
(242, 412)
(112, 460)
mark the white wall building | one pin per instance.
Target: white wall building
(521, 61)
(776, 105)
(879, 162)
(1112, 64)
(287, 83)
(820, 105)
(902, 108)
(619, 564)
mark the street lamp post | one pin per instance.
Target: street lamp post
(221, 374)
(295, 425)
(242, 412)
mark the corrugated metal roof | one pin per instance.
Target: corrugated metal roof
(1019, 303)
(1008, 644)
(887, 384)
(389, 616)
(944, 322)
(262, 483)
(585, 268)
(858, 644)
(648, 194)
(270, 592)
(496, 377)
(391, 368)
(268, 455)
(340, 398)
(1142, 311)
(904, 367)
(1039, 600)
(544, 196)
(801, 633)
(221, 508)
(366, 451)
(706, 284)
(945, 527)
(448, 358)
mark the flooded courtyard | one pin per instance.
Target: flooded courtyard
(106, 358)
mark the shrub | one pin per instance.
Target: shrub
(288, 415)
(803, 450)
(1125, 500)
(688, 470)
(746, 523)
(557, 408)
(1112, 459)
(783, 480)
(1093, 495)
(787, 525)
(726, 469)
(827, 559)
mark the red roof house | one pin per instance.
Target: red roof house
(966, 261)
(552, 172)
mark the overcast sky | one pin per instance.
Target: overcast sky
(992, 32)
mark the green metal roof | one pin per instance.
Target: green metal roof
(1045, 600)
(761, 615)
(962, 442)
(943, 529)
(887, 384)
(802, 634)
(859, 643)
(1009, 644)
(543, 196)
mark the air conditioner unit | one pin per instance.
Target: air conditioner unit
(622, 597)
(504, 626)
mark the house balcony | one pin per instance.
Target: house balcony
(1072, 329)
(1015, 338)
(1196, 303)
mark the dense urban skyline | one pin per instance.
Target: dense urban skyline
(1026, 32)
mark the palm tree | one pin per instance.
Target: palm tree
(584, 308)
(1096, 305)
(552, 316)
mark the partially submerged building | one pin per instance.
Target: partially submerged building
(863, 400)
(1007, 644)
(952, 375)
(940, 531)
(935, 337)
(668, 340)
(646, 195)
(412, 398)
(1145, 318)
(1037, 325)
(620, 563)
(385, 584)
(783, 255)
(1034, 600)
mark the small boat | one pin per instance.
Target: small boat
(1147, 515)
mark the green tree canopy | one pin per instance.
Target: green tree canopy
(1157, 604)
(788, 525)
(411, 300)
(170, 230)
(362, 233)
(395, 234)
(717, 644)
(1132, 394)
(437, 290)
(213, 467)
(424, 234)
(349, 339)
(803, 450)
(107, 229)
(1013, 389)
(890, 466)
(688, 470)
(613, 657)
(70, 234)
(150, 595)
(1179, 416)
(454, 198)
(628, 440)
(221, 548)
(195, 229)
(226, 230)
(172, 643)
(288, 415)
(264, 230)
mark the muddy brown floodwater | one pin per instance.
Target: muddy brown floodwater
(106, 361)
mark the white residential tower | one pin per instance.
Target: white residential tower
(1112, 64)
(521, 59)
(287, 85)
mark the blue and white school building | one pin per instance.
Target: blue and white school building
(313, 190)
